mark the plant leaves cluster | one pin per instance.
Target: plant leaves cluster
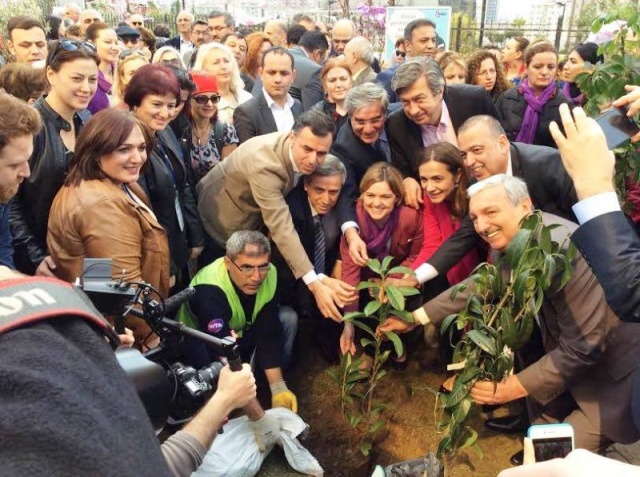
(360, 408)
(498, 318)
(606, 81)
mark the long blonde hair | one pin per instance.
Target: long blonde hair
(236, 84)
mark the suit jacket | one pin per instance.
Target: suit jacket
(550, 187)
(302, 217)
(589, 351)
(366, 76)
(405, 137)
(307, 85)
(254, 118)
(612, 248)
(247, 191)
(174, 42)
(357, 157)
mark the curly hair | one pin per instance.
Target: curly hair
(254, 53)
(473, 67)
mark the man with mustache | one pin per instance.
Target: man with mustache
(587, 374)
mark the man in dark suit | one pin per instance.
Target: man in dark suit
(309, 55)
(486, 152)
(420, 41)
(590, 356)
(312, 206)
(360, 143)
(431, 112)
(274, 110)
(182, 41)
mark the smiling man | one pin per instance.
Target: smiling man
(586, 376)
(18, 125)
(27, 41)
(248, 189)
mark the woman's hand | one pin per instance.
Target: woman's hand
(347, 345)
(345, 292)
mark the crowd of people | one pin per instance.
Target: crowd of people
(265, 169)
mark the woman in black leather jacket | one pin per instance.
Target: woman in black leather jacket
(152, 95)
(72, 72)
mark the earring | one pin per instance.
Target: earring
(456, 183)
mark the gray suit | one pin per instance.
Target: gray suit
(590, 353)
(307, 86)
(366, 76)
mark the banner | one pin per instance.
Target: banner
(398, 17)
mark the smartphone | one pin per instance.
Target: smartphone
(551, 441)
(617, 126)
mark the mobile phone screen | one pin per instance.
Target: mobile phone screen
(617, 127)
(552, 448)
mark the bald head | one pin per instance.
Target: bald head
(358, 53)
(87, 17)
(341, 33)
(136, 20)
(72, 12)
(276, 30)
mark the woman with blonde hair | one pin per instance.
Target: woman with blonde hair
(129, 62)
(168, 56)
(217, 60)
(453, 67)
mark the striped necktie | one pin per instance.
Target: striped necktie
(318, 245)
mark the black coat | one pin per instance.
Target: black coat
(612, 248)
(302, 218)
(254, 118)
(330, 110)
(29, 209)
(550, 188)
(158, 183)
(512, 106)
(405, 137)
(357, 157)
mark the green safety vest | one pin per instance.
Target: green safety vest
(216, 274)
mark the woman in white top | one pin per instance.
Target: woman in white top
(217, 60)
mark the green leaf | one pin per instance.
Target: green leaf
(364, 328)
(458, 393)
(376, 427)
(372, 307)
(460, 287)
(350, 317)
(401, 269)
(364, 342)
(386, 261)
(444, 447)
(509, 329)
(468, 375)
(395, 298)
(397, 342)
(474, 305)
(545, 240)
(404, 315)
(485, 343)
(471, 438)
(365, 447)
(408, 291)
(461, 411)
(446, 323)
(517, 246)
(365, 285)
(374, 264)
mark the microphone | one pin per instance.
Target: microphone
(172, 303)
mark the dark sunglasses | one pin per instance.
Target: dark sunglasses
(70, 45)
(401, 53)
(126, 53)
(202, 99)
(136, 23)
(173, 62)
(91, 20)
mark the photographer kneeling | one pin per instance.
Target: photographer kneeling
(66, 405)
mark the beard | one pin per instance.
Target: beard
(7, 193)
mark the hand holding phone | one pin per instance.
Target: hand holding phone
(617, 126)
(551, 441)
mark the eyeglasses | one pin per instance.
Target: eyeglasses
(249, 270)
(126, 53)
(136, 23)
(172, 62)
(70, 45)
(202, 99)
(91, 20)
(401, 53)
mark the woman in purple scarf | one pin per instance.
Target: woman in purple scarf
(528, 109)
(388, 228)
(576, 64)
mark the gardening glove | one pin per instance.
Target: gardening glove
(282, 397)
(266, 432)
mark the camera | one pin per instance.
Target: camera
(169, 390)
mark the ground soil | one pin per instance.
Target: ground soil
(412, 419)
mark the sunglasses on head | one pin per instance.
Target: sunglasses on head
(203, 99)
(126, 53)
(401, 53)
(70, 45)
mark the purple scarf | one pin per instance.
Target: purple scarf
(534, 107)
(577, 100)
(377, 238)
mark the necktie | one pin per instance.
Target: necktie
(318, 245)
(383, 147)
